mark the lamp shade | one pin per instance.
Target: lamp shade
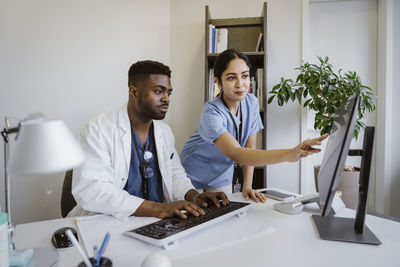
(45, 146)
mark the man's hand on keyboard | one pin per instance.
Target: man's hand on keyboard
(168, 210)
(203, 199)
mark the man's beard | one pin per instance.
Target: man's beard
(150, 112)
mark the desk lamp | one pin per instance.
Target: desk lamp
(42, 146)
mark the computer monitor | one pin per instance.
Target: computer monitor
(330, 173)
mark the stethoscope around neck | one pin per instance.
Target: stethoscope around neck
(238, 131)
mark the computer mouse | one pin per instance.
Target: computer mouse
(156, 259)
(289, 207)
(60, 239)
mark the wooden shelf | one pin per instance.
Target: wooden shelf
(243, 35)
(236, 22)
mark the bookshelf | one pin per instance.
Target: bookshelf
(245, 35)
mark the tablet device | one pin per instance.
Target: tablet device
(274, 194)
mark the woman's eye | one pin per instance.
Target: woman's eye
(230, 78)
(245, 76)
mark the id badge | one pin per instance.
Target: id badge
(237, 186)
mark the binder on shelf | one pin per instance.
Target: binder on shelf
(259, 46)
(253, 86)
(260, 91)
(211, 85)
(211, 39)
(222, 40)
(213, 88)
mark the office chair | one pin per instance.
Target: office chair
(67, 199)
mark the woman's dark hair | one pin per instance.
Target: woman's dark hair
(222, 61)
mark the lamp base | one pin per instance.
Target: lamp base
(42, 257)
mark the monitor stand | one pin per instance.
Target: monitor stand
(342, 229)
(349, 229)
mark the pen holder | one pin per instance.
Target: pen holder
(104, 262)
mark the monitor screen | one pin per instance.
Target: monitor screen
(335, 153)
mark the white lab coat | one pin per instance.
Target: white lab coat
(98, 184)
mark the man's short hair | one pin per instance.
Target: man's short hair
(143, 69)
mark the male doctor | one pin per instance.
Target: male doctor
(132, 166)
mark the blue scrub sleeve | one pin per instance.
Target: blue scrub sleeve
(256, 124)
(211, 124)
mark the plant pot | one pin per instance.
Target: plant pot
(348, 185)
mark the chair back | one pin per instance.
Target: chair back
(67, 199)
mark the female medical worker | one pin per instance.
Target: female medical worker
(227, 133)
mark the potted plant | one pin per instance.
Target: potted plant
(324, 91)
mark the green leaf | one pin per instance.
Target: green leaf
(307, 102)
(305, 93)
(292, 96)
(276, 87)
(289, 81)
(280, 100)
(299, 78)
(298, 95)
(270, 99)
(356, 133)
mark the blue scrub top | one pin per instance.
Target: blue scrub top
(204, 163)
(134, 184)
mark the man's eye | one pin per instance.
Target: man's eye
(169, 93)
(158, 92)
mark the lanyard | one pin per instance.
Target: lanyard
(238, 133)
(142, 163)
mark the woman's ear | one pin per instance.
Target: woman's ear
(219, 83)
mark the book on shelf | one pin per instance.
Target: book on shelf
(260, 91)
(221, 40)
(218, 39)
(213, 88)
(259, 46)
(253, 86)
(210, 84)
(211, 39)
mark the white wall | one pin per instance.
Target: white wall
(187, 61)
(69, 60)
(395, 187)
(350, 48)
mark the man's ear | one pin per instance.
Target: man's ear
(133, 91)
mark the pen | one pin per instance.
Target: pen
(76, 244)
(102, 248)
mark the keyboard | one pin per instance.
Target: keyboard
(166, 232)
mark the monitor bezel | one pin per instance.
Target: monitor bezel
(344, 150)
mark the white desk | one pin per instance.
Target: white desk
(295, 242)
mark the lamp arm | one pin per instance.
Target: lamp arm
(4, 134)
(7, 131)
